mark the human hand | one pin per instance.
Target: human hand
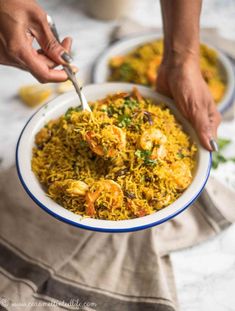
(183, 82)
(21, 22)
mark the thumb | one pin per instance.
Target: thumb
(202, 125)
(51, 47)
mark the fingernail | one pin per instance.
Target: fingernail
(214, 145)
(66, 57)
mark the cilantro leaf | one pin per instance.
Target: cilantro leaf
(70, 111)
(218, 157)
(145, 155)
(223, 142)
(124, 120)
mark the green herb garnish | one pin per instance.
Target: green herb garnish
(124, 120)
(148, 161)
(142, 153)
(125, 71)
(222, 142)
(218, 157)
(110, 110)
(180, 155)
(130, 103)
(70, 111)
(145, 156)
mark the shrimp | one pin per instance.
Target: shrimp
(70, 187)
(158, 153)
(181, 175)
(138, 207)
(154, 140)
(137, 94)
(108, 143)
(111, 192)
(152, 69)
(76, 188)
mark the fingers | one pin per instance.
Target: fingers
(49, 44)
(40, 67)
(18, 40)
(206, 121)
(201, 123)
(214, 117)
(50, 63)
(66, 43)
(203, 115)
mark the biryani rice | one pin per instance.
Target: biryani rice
(139, 180)
(140, 66)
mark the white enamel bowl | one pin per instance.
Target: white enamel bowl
(101, 68)
(59, 106)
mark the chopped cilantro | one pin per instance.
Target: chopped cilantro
(124, 120)
(70, 110)
(145, 155)
(218, 157)
(125, 71)
(130, 103)
(180, 155)
(110, 110)
(222, 142)
(142, 153)
(148, 161)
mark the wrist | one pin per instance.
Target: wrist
(176, 52)
(176, 58)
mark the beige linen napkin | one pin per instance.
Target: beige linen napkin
(48, 265)
(43, 260)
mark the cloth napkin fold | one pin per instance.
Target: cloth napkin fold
(48, 265)
(44, 261)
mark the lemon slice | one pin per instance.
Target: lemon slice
(35, 94)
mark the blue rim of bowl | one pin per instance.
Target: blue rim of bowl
(222, 110)
(79, 225)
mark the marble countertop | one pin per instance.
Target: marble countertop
(205, 274)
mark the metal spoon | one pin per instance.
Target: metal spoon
(68, 69)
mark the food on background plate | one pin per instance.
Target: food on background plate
(129, 158)
(140, 66)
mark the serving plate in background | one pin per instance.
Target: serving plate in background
(101, 69)
(59, 106)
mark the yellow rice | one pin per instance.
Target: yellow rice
(70, 171)
(140, 66)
